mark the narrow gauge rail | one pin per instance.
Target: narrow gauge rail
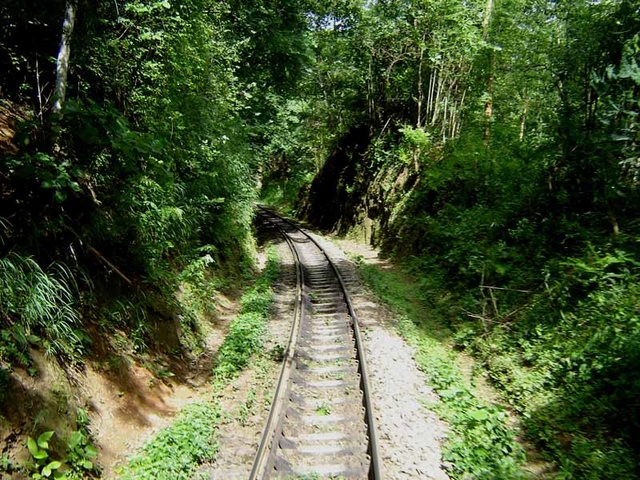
(321, 421)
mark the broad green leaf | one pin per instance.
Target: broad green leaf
(76, 438)
(32, 446)
(479, 415)
(40, 455)
(43, 440)
(54, 465)
(91, 451)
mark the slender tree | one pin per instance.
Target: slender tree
(64, 55)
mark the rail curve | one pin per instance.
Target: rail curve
(321, 423)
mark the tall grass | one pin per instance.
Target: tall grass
(37, 306)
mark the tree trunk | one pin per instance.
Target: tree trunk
(420, 89)
(486, 21)
(444, 118)
(62, 63)
(436, 102)
(488, 106)
(370, 91)
(432, 86)
(523, 118)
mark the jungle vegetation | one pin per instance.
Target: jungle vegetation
(491, 146)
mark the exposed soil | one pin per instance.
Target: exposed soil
(10, 116)
(127, 398)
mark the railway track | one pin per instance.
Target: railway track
(321, 422)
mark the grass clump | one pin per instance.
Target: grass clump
(40, 305)
(244, 339)
(480, 444)
(246, 332)
(177, 450)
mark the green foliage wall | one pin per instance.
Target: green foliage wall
(500, 164)
(153, 166)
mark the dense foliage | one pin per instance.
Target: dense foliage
(178, 449)
(142, 186)
(493, 147)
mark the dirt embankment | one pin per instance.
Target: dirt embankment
(11, 116)
(121, 396)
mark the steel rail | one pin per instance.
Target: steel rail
(275, 418)
(272, 423)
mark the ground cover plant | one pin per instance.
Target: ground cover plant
(481, 444)
(190, 441)
(177, 450)
(246, 332)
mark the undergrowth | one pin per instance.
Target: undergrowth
(246, 332)
(569, 364)
(176, 451)
(480, 444)
(565, 357)
(40, 307)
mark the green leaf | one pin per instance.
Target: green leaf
(40, 455)
(76, 438)
(32, 446)
(91, 451)
(44, 158)
(54, 465)
(450, 393)
(87, 464)
(43, 440)
(479, 415)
